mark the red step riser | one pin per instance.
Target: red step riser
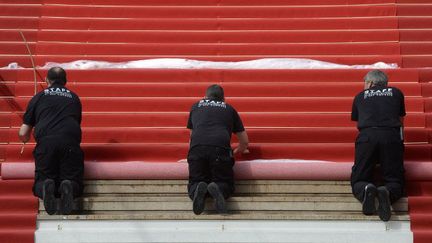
(20, 23)
(184, 104)
(213, 49)
(17, 235)
(220, 36)
(17, 204)
(420, 204)
(348, 60)
(422, 236)
(417, 61)
(181, 135)
(14, 220)
(216, 24)
(421, 221)
(20, 10)
(416, 35)
(216, 11)
(16, 188)
(419, 188)
(17, 48)
(212, 75)
(415, 22)
(416, 48)
(340, 152)
(216, 2)
(179, 119)
(414, 9)
(14, 35)
(293, 89)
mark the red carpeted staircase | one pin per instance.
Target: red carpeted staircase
(140, 115)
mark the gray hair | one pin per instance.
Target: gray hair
(377, 78)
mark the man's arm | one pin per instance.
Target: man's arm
(25, 132)
(243, 143)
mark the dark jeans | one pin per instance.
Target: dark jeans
(383, 145)
(58, 160)
(211, 164)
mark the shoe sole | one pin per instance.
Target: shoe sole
(384, 210)
(199, 198)
(368, 205)
(66, 199)
(49, 200)
(219, 199)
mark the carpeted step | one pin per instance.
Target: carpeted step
(239, 36)
(340, 152)
(250, 119)
(216, 48)
(121, 76)
(41, 60)
(71, 23)
(244, 104)
(238, 89)
(258, 135)
(214, 11)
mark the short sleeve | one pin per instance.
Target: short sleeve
(354, 111)
(80, 110)
(29, 117)
(189, 123)
(237, 123)
(402, 111)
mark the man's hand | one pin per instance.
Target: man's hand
(24, 133)
(243, 143)
(239, 150)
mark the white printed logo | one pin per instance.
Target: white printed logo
(212, 103)
(382, 92)
(58, 91)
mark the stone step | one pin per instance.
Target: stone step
(234, 204)
(211, 215)
(246, 186)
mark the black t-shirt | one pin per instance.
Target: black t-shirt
(378, 107)
(212, 123)
(55, 112)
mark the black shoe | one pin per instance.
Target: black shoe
(368, 204)
(216, 194)
(49, 200)
(199, 198)
(384, 210)
(66, 197)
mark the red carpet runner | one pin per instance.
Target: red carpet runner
(124, 110)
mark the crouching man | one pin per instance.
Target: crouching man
(210, 157)
(379, 112)
(55, 113)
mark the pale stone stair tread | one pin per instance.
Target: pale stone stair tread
(245, 186)
(253, 200)
(234, 215)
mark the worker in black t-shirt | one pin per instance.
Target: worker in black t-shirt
(55, 113)
(210, 157)
(379, 111)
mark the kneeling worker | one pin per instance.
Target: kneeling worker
(379, 112)
(55, 113)
(210, 158)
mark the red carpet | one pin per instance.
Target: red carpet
(140, 115)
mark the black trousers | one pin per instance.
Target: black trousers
(211, 164)
(384, 146)
(58, 160)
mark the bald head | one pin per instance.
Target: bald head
(56, 75)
